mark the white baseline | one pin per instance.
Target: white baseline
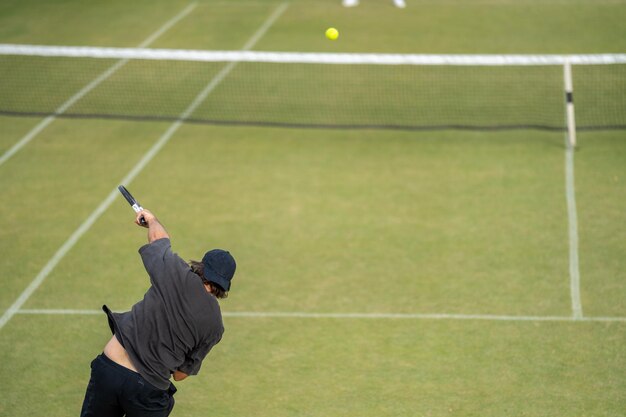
(405, 316)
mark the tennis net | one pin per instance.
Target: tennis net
(381, 91)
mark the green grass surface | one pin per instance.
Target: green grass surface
(601, 187)
(459, 26)
(327, 221)
(291, 367)
(339, 214)
(74, 22)
(13, 128)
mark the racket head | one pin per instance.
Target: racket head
(127, 195)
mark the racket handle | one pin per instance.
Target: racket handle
(139, 209)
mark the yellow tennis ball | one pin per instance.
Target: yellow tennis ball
(332, 34)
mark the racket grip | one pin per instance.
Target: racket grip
(139, 209)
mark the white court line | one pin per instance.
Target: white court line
(572, 220)
(106, 74)
(61, 312)
(442, 316)
(52, 263)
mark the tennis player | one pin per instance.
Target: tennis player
(166, 335)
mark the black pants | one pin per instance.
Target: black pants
(115, 391)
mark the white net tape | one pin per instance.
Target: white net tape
(307, 58)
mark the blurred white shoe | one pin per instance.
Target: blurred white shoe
(399, 3)
(350, 3)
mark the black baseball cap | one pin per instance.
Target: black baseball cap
(219, 267)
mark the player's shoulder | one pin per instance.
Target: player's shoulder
(154, 247)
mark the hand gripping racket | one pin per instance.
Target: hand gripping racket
(133, 203)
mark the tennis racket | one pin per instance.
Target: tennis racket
(133, 203)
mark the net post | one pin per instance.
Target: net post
(569, 103)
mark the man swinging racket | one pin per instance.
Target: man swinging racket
(165, 335)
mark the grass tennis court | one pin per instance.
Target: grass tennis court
(380, 273)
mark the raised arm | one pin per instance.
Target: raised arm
(156, 230)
